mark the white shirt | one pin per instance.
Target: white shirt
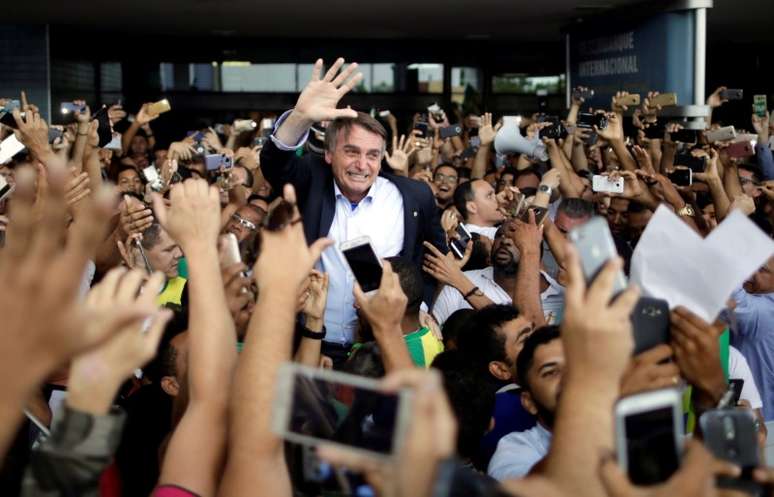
(379, 216)
(517, 452)
(487, 231)
(451, 300)
(738, 369)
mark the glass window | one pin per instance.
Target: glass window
(523, 83)
(303, 75)
(244, 76)
(429, 77)
(463, 77)
(110, 76)
(377, 78)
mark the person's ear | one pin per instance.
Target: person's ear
(500, 370)
(170, 386)
(528, 403)
(328, 157)
(471, 207)
(492, 424)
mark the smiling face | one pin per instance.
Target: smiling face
(445, 180)
(356, 161)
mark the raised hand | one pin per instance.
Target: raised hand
(193, 218)
(33, 132)
(487, 132)
(715, 100)
(144, 116)
(401, 152)
(116, 113)
(319, 98)
(135, 217)
(596, 332)
(445, 267)
(316, 296)
(761, 125)
(96, 375)
(614, 129)
(385, 309)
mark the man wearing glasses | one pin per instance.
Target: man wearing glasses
(245, 222)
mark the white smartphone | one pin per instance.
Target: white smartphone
(318, 406)
(721, 134)
(10, 147)
(604, 184)
(363, 263)
(242, 125)
(595, 247)
(649, 435)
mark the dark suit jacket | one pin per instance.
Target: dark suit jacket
(313, 180)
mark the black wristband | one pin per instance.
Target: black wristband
(314, 335)
(471, 292)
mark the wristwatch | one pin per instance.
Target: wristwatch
(474, 291)
(545, 189)
(686, 210)
(314, 335)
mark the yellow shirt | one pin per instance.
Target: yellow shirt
(173, 292)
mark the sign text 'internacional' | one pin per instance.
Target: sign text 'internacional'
(616, 44)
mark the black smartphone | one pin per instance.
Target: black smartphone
(54, 134)
(363, 263)
(650, 323)
(695, 164)
(731, 435)
(540, 214)
(582, 93)
(655, 131)
(684, 136)
(556, 131)
(736, 384)
(104, 130)
(681, 177)
(450, 131)
(732, 94)
(588, 120)
(422, 128)
(459, 245)
(6, 113)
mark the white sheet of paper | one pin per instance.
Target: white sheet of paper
(672, 262)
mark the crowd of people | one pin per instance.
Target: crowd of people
(152, 292)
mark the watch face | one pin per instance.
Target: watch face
(544, 188)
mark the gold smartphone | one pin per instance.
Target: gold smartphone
(664, 99)
(628, 100)
(159, 107)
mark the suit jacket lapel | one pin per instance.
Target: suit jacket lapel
(410, 217)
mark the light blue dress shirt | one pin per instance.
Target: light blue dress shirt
(517, 452)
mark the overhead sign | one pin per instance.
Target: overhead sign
(653, 54)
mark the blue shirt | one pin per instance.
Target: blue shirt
(754, 338)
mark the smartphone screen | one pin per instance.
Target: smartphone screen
(650, 446)
(365, 266)
(681, 177)
(343, 412)
(737, 384)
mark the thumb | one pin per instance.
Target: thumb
(344, 113)
(614, 480)
(316, 249)
(159, 208)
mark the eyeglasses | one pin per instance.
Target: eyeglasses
(441, 178)
(244, 222)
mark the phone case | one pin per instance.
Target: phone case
(603, 184)
(664, 99)
(650, 323)
(595, 246)
(231, 253)
(159, 107)
(740, 150)
(720, 134)
(759, 105)
(629, 100)
(731, 435)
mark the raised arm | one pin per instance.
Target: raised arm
(196, 451)
(256, 455)
(527, 238)
(597, 339)
(319, 99)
